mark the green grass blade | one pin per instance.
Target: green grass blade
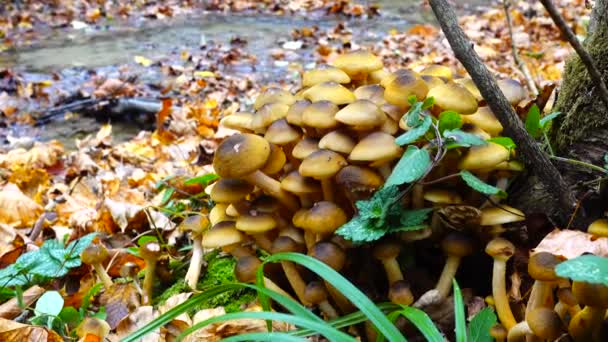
(358, 298)
(265, 337)
(460, 320)
(195, 300)
(322, 328)
(423, 322)
(347, 320)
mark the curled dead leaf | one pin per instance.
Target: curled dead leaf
(137, 319)
(41, 155)
(127, 214)
(17, 209)
(13, 331)
(572, 243)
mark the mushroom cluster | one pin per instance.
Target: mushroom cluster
(292, 174)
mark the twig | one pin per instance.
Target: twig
(595, 74)
(580, 163)
(534, 157)
(520, 64)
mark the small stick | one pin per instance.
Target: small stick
(595, 74)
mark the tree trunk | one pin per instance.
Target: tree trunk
(579, 133)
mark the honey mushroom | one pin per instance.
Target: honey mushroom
(333, 256)
(587, 324)
(358, 64)
(379, 149)
(95, 254)
(150, 252)
(316, 294)
(387, 252)
(456, 246)
(196, 225)
(323, 166)
(319, 221)
(246, 269)
(257, 225)
(325, 73)
(303, 187)
(285, 244)
(541, 267)
(501, 251)
(541, 322)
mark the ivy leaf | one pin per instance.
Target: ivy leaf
(479, 327)
(376, 209)
(412, 165)
(449, 120)
(360, 230)
(533, 122)
(478, 185)
(415, 216)
(415, 133)
(506, 142)
(547, 119)
(463, 139)
(588, 268)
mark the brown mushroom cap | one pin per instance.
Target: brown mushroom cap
(338, 141)
(438, 71)
(471, 87)
(361, 114)
(150, 250)
(320, 114)
(545, 323)
(329, 253)
(432, 81)
(403, 86)
(593, 295)
(500, 215)
(371, 92)
(500, 249)
(240, 121)
(218, 213)
(598, 227)
(499, 332)
(458, 244)
(94, 326)
(377, 147)
(266, 204)
(323, 218)
(324, 74)
(94, 253)
(240, 155)
(315, 292)
(255, 224)
(399, 293)
(281, 133)
(246, 267)
(305, 147)
(296, 183)
(387, 249)
(285, 244)
(485, 156)
(441, 196)
(322, 164)
(455, 97)
(358, 178)
(222, 234)
(294, 113)
(513, 90)
(195, 224)
(273, 95)
(229, 190)
(268, 114)
(376, 76)
(275, 161)
(484, 119)
(541, 266)
(329, 91)
(357, 64)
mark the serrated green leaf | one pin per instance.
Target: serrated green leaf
(202, 180)
(412, 116)
(360, 230)
(533, 122)
(462, 138)
(376, 209)
(412, 99)
(415, 216)
(414, 133)
(412, 165)
(50, 303)
(449, 120)
(396, 229)
(478, 185)
(76, 247)
(546, 120)
(506, 142)
(10, 276)
(460, 321)
(588, 268)
(479, 327)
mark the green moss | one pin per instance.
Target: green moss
(177, 288)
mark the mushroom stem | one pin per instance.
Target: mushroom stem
(328, 310)
(393, 270)
(385, 170)
(499, 292)
(328, 189)
(418, 196)
(444, 285)
(273, 188)
(310, 239)
(541, 296)
(103, 275)
(340, 299)
(269, 284)
(149, 281)
(519, 331)
(586, 323)
(263, 241)
(194, 270)
(295, 280)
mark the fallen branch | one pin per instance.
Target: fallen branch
(534, 158)
(595, 74)
(520, 64)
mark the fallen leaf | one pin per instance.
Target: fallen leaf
(16, 209)
(572, 243)
(13, 331)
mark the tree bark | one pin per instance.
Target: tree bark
(580, 132)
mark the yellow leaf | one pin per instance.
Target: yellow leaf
(204, 73)
(210, 104)
(141, 60)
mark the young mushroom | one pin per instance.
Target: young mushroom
(93, 329)
(242, 156)
(94, 255)
(322, 219)
(399, 293)
(358, 64)
(335, 257)
(387, 252)
(541, 267)
(456, 245)
(542, 322)
(246, 269)
(323, 166)
(501, 251)
(150, 252)
(316, 294)
(285, 244)
(498, 332)
(196, 224)
(587, 324)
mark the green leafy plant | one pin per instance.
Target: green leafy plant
(382, 214)
(587, 268)
(52, 260)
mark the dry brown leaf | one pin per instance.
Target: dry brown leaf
(13, 331)
(16, 209)
(11, 308)
(572, 243)
(125, 214)
(137, 319)
(179, 323)
(7, 236)
(120, 300)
